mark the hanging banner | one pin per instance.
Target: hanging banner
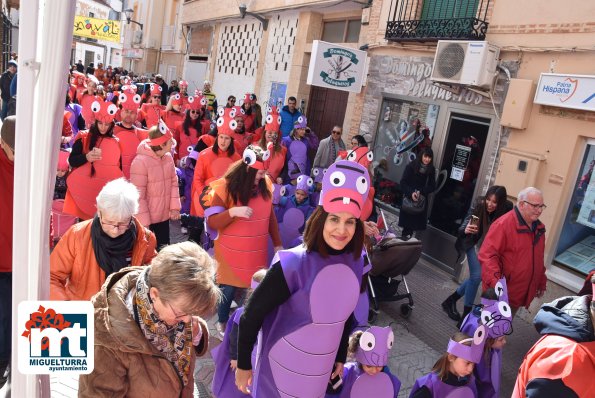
(100, 29)
(566, 91)
(338, 67)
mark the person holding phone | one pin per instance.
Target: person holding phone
(472, 232)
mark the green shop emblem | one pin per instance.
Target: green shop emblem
(340, 72)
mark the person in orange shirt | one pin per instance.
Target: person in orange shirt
(153, 110)
(92, 250)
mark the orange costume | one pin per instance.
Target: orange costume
(153, 112)
(129, 137)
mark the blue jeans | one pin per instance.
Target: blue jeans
(5, 315)
(229, 293)
(469, 287)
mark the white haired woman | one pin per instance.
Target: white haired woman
(93, 249)
(149, 327)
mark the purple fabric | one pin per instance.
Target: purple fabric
(301, 337)
(497, 314)
(304, 183)
(186, 174)
(361, 310)
(374, 344)
(440, 389)
(318, 173)
(224, 378)
(473, 352)
(345, 187)
(297, 157)
(289, 226)
(213, 233)
(358, 384)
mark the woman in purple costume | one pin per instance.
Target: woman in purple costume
(305, 303)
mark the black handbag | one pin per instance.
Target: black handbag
(411, 206)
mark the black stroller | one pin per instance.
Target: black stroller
(391, 258)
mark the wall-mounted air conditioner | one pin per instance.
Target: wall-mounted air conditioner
(470, 63)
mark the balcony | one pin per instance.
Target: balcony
(433, 20)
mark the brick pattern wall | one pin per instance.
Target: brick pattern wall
(239, 46)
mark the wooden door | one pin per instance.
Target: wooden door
(326, 109)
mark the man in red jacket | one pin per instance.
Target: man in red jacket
(7, 133)
(514, 248)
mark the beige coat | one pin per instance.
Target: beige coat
(126, 364)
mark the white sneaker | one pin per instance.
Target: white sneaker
(184, 230)
(220, 330)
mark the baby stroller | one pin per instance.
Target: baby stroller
(391, 260)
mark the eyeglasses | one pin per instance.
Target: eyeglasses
(156, 96)
(336, 132)
(232, 100)
(536, 206)
(119, 226)
(193, 111)
(180, 316)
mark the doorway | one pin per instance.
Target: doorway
(466, 138)
(326, 109)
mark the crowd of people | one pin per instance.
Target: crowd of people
(280, 233)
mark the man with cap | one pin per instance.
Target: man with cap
(7, 140)
(5, 81)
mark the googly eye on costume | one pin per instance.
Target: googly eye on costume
(279, 119)
(505, 309)
(337, 179)
(480, 335)
(269, 119)
(370, 156)
(203, 101)
(315, 172)
(112, 109)
(249, 157)
(300, 119)
(190, 100)
(233, 124)
(136, 99)
(162, 127)
(266, 155)
(95, 106)
(299, 179)
(390, 341)
(220, 111)
(122, 97)
(352, 156)
(189, 148)
(177, 96)
(283, 191)
(499, 288)
(232, 113)
(367, 341)
(309, 182)
(251, 97)
(361, 185)
(220, 122)
(486, 317)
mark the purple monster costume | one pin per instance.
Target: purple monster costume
(373, 348)
(186, 174)
(496, 315)
(300, 337)
(472, 353)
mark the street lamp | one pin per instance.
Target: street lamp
(244, 12)
(128, 14)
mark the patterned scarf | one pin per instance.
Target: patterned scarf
(175, 343)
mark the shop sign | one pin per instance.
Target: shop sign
(337, 67)
(99, 29)
(133, 53)
(420, 85)
(566, 91)
(460, 161)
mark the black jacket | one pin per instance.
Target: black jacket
(5, 80)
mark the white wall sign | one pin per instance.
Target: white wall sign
(338, 67)
(566, 91)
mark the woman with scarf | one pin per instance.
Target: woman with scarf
(92, 250)
(149, 326)
(419, 179)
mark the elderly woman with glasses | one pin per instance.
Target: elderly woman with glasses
(92, 250)
(149, 327)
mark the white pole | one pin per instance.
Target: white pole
(44, 58)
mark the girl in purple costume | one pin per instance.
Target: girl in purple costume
(305, 302)
(369, 376)
(452, 374)
(496, 315)
(225, 355)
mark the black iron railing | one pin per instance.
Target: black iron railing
(6, 42)
(432, 20)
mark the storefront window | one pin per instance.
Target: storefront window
(576, 247)
(405, 129)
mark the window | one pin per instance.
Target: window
(576, 247)
(91, 14)
(341, 31)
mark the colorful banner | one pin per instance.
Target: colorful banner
(338, 67)
(100, 29)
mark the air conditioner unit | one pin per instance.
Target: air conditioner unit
(470, 63)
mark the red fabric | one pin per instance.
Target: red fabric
(66, 126)
(129, 141)
(249, 125)
(172, 119)
(209, 167)
(6, 209)
(556, 357)
(184, 141)
(276, 163)
(152, 113)
(508, 249)
(86, 100)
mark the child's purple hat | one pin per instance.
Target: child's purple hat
(301, 122)
(473, 352)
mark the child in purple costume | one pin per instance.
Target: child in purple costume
(495, 314)
(452, 374)
(369, 375)
(225, 355)
(305, 303)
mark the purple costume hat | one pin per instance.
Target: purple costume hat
(374, 345)
(304, 183)
(496, 315)
(345, 187)
(473, 352)
(301, 122)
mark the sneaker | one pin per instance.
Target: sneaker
(184, 230)
(220, 330)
